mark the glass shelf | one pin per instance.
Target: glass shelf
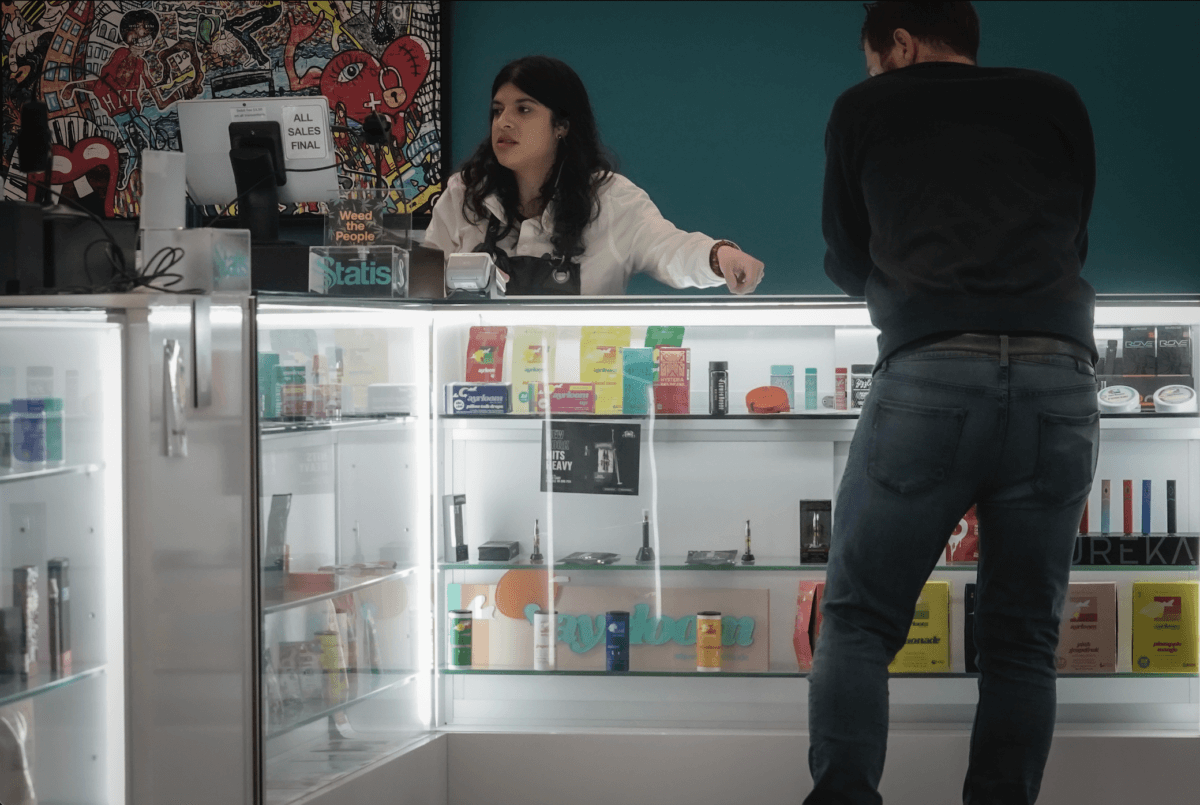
(14, 689)
(780, 674)
(670, 562)
(666, 417)
(768, 564)
(275, 427)
(352, 585)
(376, 684)
(7, 477)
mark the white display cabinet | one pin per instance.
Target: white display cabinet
(701, 478)
(62, 721)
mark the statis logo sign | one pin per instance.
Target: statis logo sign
(366, 272)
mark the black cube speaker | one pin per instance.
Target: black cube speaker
(21, 264)
(77, 250)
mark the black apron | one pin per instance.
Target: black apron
(531, 276)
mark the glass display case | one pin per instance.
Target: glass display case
(673, 441)
(343, 547)
(62, 661)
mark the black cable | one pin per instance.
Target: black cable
(125, 278)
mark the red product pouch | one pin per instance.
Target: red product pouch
(485, 354)
(808, 622)
(964, 542)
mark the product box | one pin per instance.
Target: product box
(963, 547)
(600, 363)
(664, 337)
(860, 383)
(25, 599)
(1164, 627)
(58, 582)
(1174, 353)
(808, 622)
(816, 531)
(1087, 638)
(927, 649)
(565, 398)
(969, 650)
(533, 354)
(10, 640)
(1138, 345)
(485, 354)
(637, 378)
(478, 398)
(672, 389)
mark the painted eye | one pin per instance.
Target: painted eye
(350, 72)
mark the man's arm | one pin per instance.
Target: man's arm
(844, 221)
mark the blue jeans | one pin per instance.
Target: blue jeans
(939, 431)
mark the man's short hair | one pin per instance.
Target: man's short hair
(954, 26)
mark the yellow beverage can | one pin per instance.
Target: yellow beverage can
(708, 642)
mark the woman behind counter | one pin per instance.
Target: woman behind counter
(539, 195)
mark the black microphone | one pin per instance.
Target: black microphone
(33, 145)
(376, 128)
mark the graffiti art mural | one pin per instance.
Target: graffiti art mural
(111, 71)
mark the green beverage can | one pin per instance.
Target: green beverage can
(459, 638)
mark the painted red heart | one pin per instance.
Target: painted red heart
(364, 84)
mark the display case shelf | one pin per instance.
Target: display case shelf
(13, 688)
(8, 477)
(769, 565)
(775, 674)
(276, 427)
(378, 683)
(352, 586)
(795, 417)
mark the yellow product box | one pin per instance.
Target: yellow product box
(533, 354)
(600, 363)
(1164, 626)
(928, 647)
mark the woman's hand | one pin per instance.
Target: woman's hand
(741, 271)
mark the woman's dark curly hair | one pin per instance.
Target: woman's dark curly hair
(581, 165)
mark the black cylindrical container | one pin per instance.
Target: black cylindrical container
(718, 388)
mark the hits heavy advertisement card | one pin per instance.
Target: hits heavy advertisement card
(592, 458)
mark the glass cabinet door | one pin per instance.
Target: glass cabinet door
(695, 452)
(62, 727)
(343, 544)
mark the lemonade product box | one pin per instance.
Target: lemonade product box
(1164, 626)
(485, 354)
(637, 378)
(478, 398)
(533, 354)
(600, 363)
(562, 398)
(1087, 637)
(927, 649)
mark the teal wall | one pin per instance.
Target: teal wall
(718, 111)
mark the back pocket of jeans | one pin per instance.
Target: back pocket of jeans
(1068, 447)
(913, 446)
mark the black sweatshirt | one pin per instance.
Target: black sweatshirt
(957, 199)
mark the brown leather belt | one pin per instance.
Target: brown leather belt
(1008, 345)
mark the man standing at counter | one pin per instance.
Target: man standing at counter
(956, 201)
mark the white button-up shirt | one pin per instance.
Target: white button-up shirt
(629, 235)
